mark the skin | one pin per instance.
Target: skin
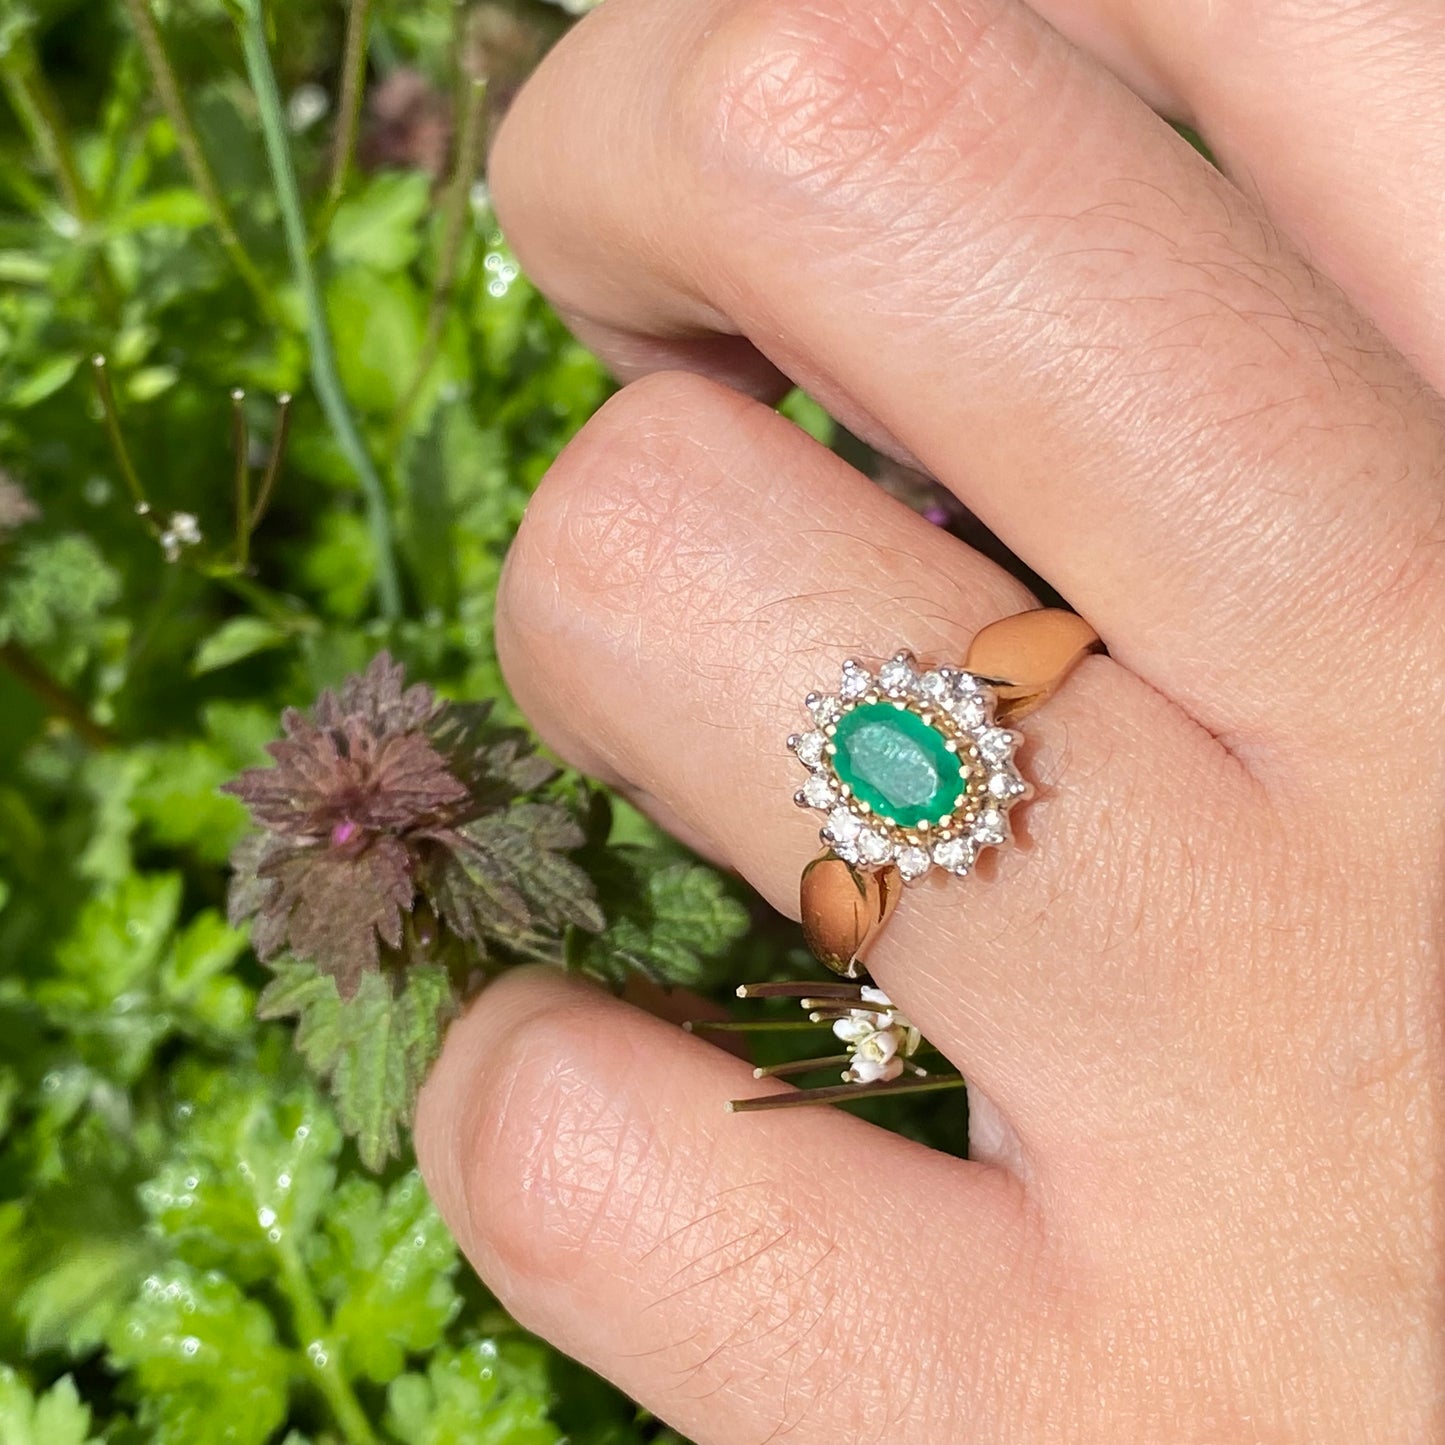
(1200, 1006)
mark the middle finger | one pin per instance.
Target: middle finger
(979, 247)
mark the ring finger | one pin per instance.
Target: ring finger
(669, 602)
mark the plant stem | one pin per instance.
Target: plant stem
(348, 110)
(58, 699)
(323, 1355)
(273, 462)
(454, 224)
(153, 46)
(32, 101)
(241, 445)
(101, 372)
(323, 357)
(41, 118)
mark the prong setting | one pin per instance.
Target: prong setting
(959, 707)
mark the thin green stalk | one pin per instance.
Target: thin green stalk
(153, 46)
(32, 101)
(273, 462)
(101, 373)
(323, 357)
(454, 229)
(323, 1355)
(241, 485)
(348, 110)
(53, 694)
(41, 118)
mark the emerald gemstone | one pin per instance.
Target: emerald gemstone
(897, 764)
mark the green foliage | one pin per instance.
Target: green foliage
(373, 1048)
(58, 1417)
(210, 1226)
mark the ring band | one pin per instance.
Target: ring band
(914, 768)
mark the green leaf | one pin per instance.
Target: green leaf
(667, 921)
(465, 1398)
(385, 1263)
(54, 586)
(377, 323)
(203, 1360)
(43, 382)
(179, 208)
(250, 1174)
(116, 945)
(804, 412)
(232, 641)
(58, 1417)
(381, 227)
(374, 1048)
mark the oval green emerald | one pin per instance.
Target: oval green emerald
(897, 764)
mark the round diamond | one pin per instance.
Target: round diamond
(955, 854)
(810, 747)
(1005, 784)
(970, 712)
(991, 830)
(965, 684)
(819, 792)
(873, 847)
(933, 686)
(856, 681)
(896, 676)
(997, 745)
(842, 826)
(912, 863)
(824, 708)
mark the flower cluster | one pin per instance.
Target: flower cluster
(880, 1040)
(389, 811)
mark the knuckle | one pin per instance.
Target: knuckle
(816, 92)
(606, 534)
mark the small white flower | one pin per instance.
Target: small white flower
(879, 1039)
(184, 531)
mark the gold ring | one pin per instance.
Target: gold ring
(914, 769)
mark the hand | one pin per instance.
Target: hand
(1200, 1012)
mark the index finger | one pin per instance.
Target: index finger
(974, 244)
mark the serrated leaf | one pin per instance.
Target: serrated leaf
(465, 1399)
(670, 919)
(203, 1361)
(249, 1175)
(513, 874)
(235, 640)
(58, 1417)
(385, 1263)
(374, 1048)
(55, 588)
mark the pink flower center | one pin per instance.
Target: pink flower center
(344, 832)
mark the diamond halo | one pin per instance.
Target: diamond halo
(958, 706)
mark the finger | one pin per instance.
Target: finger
(965, 237)
(746, 1279)
(1330, 115)
(668, 604)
